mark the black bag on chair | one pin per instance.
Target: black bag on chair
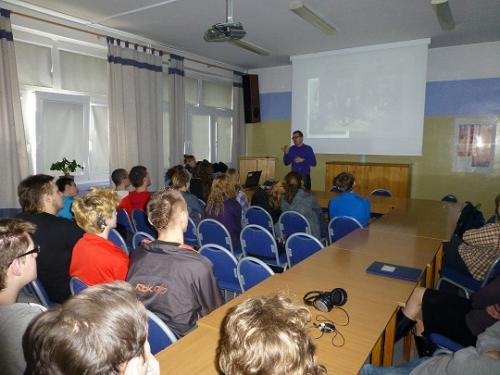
(470, 218)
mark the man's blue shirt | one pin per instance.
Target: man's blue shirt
(350, 204)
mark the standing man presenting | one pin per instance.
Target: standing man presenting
(301, 156)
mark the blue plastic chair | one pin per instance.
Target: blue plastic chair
(139, 237)
(382, 192)
(159, 335)
(117, 239)
(225, 265)
(9, 212)
(444, 342)
(252, 271)
(449, 198)
(491, 220)
(291, 222)
(123, 220)
(38, 291)
(299, 246)
(258, 216)
(258, 242)
(191, 234)
(341, 226)
(467, 284)
(141, 223)
(211, 231)
(76, 286)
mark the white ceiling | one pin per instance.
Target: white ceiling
(271, 25)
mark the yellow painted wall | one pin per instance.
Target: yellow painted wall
(432, 175)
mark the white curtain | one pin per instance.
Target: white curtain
(135, 109)
(176, 109)
(13, 153)
(239, 131)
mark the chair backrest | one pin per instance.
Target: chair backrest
(37, 289)
(202, 203)
(258, 216)
(117, 239)
(382, 192)
(9, 212)
(252, 271)
(291, 222)
(224, 264)
(444, 342)
(299, 246)
(493, 272)
(76, 285)
(340, 226)
(211, 231)
(159, 335)
(258, 242)
(139, 237)
(141, 223)
(191, 234)
(123, 220)
(449, 198)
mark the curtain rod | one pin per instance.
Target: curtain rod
(98, 35)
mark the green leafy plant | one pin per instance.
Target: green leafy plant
(65, 166)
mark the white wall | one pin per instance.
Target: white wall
(468, 61)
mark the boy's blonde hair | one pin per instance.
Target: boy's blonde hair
(92, 209)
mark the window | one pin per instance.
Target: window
(64, 102)
(209, 119)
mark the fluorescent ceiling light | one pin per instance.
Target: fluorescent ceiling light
(301, 10)
(443, 14)
(250, 47)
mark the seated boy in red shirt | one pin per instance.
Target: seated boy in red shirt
(139, 178)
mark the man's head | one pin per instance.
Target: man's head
(344, 182)
(297, 138)
(139, 176)
(120, 178)
(180, 180)
(98, 331)
(166, 209)
(17, 253)
(67, 186)
(190, 160)
(96, 210)
(267, 335)
(38, 193)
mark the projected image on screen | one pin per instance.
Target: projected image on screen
(368, 100)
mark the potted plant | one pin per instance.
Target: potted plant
(65, 166)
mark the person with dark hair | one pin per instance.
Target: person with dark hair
(269, 199)
(67, 186)
(205, 172)
(18, 255)
(101, 330)
(96, 259)
(121, 181)
(138, 199)
(190, 165)
(297, 199)
(40, 200)
(181, 182)
(171, 172)
(348, 203)
(301, 156)
(175, 283)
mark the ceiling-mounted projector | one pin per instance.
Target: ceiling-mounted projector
(223, 32)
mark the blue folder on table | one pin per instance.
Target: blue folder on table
(394, 271)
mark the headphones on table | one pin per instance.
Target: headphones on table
(326, 301)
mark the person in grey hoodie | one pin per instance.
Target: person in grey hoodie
(297, 199)
(483, 359)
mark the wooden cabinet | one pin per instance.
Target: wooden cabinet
(265, 164)
(370, 176)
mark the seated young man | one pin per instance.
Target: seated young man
(138, 199)
(267, 335)
(348, 203)
(175, 283)
(180, 181)
(40, 200)
(17, 268)
(102, 330)
(96, 259)
(68, 188)
(121, 182)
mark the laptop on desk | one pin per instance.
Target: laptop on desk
(252, 179)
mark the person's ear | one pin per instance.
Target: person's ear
(15, 267)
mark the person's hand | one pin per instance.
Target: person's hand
(285, 149)
(494, 311)
(298, 159)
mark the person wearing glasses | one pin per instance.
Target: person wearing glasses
(301, 156)
(18, 256)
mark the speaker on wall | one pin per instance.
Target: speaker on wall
(251, 97)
